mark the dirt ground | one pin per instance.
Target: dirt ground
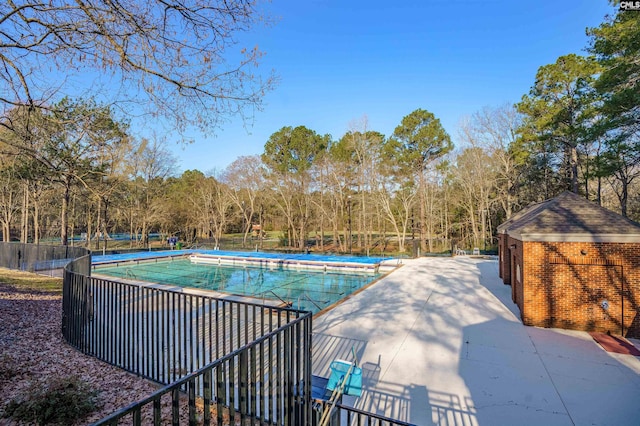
(33, 352)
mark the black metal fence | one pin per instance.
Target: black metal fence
(222, 362)
(38, 257)
(350, 416)
(237, 360)
(261, 383)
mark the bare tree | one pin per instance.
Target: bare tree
(364, 145)
(495, 129)
(9, 198)
(179, 58)
(213, 206)
(397, 204)
(149, 166)
(245, 178)
(474, 176)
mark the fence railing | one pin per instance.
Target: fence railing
(350, 416)
(238, 360)
(260, 383)
(222, 362)
(38, 257)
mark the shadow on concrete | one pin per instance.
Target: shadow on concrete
(517, 374)
(327, 348)
(414, 401)
(489, 279)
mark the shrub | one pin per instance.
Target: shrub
(61, 401)
(7, 368)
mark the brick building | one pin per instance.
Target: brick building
(573, 264)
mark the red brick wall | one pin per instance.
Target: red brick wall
(564, 284)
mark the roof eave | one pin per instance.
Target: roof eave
(576, 238)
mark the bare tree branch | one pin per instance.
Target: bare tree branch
(177, 58)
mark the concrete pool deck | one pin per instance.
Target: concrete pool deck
(440, 342)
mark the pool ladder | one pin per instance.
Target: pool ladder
(290, 304)
(277, 297)
(305, 295)
(128, 273)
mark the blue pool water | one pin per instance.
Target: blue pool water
(311, 290)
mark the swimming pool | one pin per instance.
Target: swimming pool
(304, 289)
(287, 257)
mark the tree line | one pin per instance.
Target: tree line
(73, 167)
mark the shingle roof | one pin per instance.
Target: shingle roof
(570, 217)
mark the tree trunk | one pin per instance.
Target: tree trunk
(104, 224)
(145, 235)
(72, 224)
(89, 227)
(574, 169)
(337, 243)
(247, 216)
(364, 229)
(131, 228)
(25, 215)
(98, 223)
(64, 216)
(36, 221)
(624, 198)
(301, 242)
(423, 213)
(262, 231)
(484, 214)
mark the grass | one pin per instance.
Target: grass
(28, 281)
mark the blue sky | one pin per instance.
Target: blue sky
(339, 60)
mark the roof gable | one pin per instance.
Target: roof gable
(570, 217)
